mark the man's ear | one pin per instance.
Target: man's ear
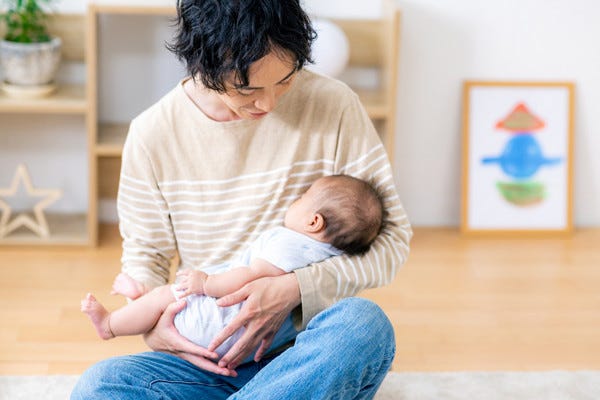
(316, 223)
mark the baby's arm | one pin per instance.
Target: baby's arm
(221, 284)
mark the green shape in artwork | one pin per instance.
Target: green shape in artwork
(522, 194)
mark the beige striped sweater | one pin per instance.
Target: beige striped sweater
(204, 189)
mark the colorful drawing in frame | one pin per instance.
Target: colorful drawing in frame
(517, 161)
(521, 158)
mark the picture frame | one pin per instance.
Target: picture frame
(517, 158)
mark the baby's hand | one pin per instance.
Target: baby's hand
(191, 282)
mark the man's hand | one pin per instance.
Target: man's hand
(190, 282)
(165, 338)
(268, 303)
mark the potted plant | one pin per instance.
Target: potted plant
(29, 56)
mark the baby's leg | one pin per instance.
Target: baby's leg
(135, 318)
(128, 287)
(98, 315)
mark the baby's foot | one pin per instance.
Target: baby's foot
(98, 315)
(127, 286)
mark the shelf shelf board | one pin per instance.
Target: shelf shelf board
(134, 7)
(65, 230)
(68, 99)
(374, 101)
(111, 138)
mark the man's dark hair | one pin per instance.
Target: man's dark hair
(353, 211)
(218, 39)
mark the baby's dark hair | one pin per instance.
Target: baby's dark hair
(353, 212)
(220, 39)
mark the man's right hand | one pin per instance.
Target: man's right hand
(164, 337)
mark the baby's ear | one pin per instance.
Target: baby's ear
(316, 223)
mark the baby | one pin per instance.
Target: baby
(337, 214)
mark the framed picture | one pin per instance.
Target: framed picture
(517, 157)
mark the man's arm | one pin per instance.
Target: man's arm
(360, 154)
(148, 239)
(149, 246)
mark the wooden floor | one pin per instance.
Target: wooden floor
(459, 304)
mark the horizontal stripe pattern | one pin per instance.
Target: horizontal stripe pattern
(212, 221)
(212, 227)
(179, 198)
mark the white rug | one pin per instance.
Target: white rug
(552, 385)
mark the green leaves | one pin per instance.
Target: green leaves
(25, 21)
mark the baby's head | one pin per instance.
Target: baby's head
(341, 210)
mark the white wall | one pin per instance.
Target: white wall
(446, 42)
(443, 43)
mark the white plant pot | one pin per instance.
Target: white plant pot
(30, 64)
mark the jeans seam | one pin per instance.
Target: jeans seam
(390, 357)
(150, 384)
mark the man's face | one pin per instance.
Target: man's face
(269, 78)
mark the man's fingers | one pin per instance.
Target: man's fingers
(173, 308)
(229, 330)
(236, 354)
(176, 342)
(192, 348)
(181, 344)
(240, 350)
(207, 365)
(264, 346)
(233, 298)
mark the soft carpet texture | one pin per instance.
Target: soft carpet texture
(551, 385)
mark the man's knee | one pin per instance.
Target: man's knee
(98, 380)
(92, 379)
(363, 323)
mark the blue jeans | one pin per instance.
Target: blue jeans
(344, 353)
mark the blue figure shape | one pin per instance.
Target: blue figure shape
(522, 157)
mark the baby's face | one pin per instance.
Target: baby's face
(304, 208)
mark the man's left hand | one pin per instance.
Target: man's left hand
(268, 301)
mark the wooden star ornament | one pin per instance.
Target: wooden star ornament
(38, 225)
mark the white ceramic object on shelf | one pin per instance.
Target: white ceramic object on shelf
(330, 50)
(29, 68)
(28, 92)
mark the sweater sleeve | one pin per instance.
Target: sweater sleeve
(144, 222)
(361, 154)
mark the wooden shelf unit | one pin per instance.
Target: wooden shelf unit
(373, 43)
(376, 44)
(66, 230)
(111, 138)
(104, 7)
(69, 99)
